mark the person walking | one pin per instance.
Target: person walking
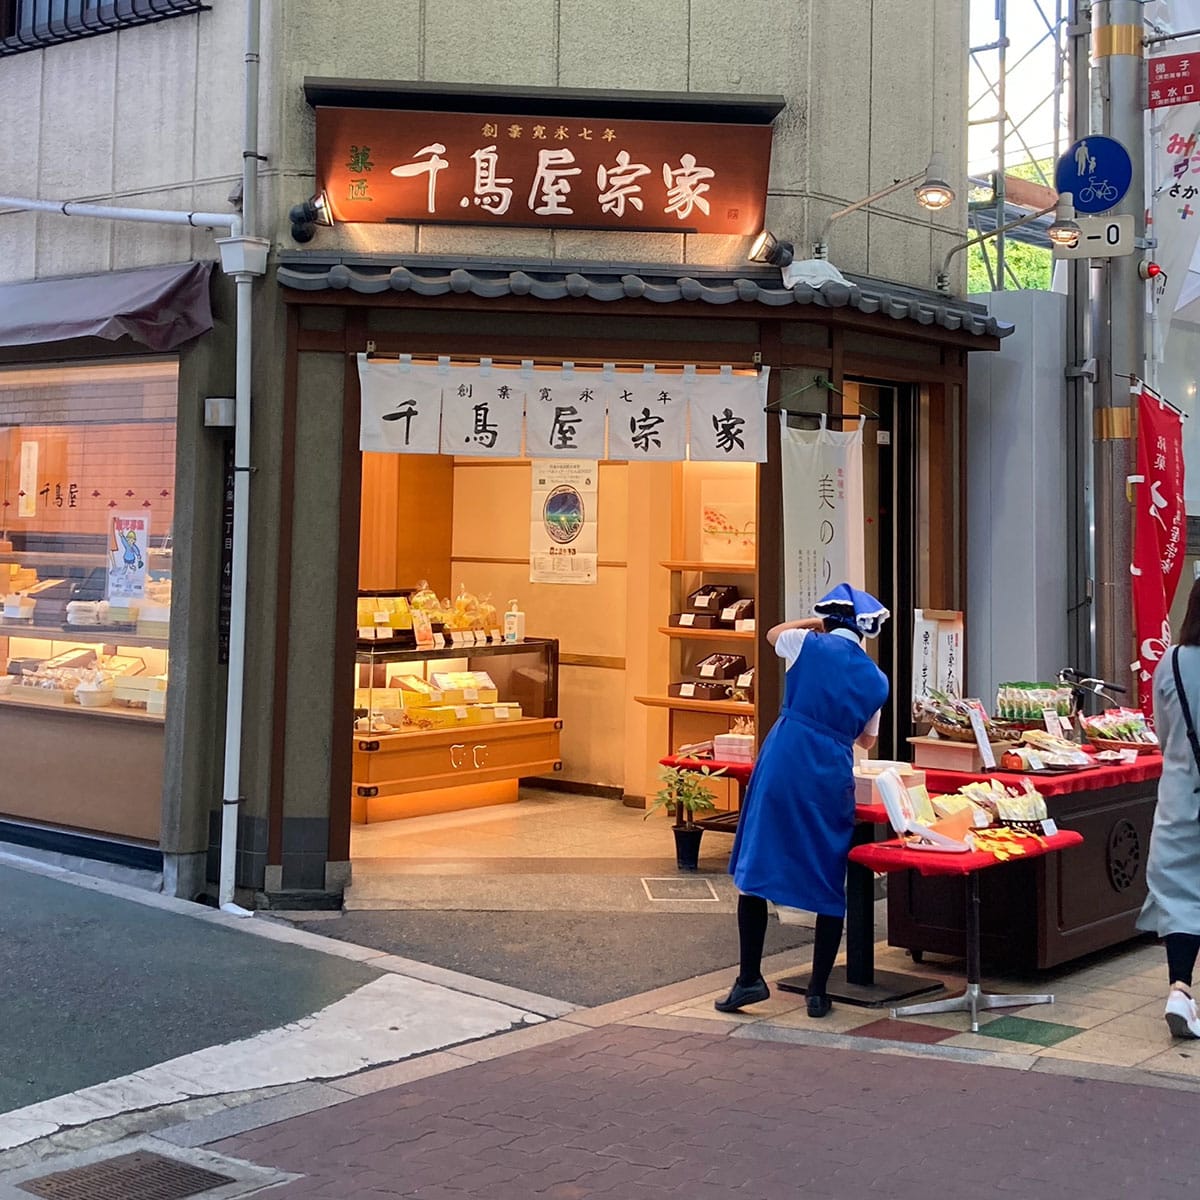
(794, 834)
(1172, 907)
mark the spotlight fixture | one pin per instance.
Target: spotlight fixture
(933, 192)
(1064, 231)
(767, 248)
(307, 216)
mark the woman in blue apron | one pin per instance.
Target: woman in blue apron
(798, 817)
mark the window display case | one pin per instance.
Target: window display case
(451, 727)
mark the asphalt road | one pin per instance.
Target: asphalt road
(95, 987)
(587, 958)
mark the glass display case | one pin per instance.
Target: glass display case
(452, 727)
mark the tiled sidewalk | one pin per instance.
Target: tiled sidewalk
(1108, 1013)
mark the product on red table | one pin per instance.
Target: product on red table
(1126, 725)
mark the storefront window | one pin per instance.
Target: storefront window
(87, 490)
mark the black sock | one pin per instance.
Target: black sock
(1182, 949)
(752, 933)
(826, 944)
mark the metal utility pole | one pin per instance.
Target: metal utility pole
(1081, 613)
(1118, 335)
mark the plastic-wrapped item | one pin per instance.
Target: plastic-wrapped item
(424, 599)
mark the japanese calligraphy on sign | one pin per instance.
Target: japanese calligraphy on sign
(564, 417)
(647, 420)
(401, 406)
(477, 168)
(482, 413)
(729, 418)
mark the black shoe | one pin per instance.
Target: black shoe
(743, 994)
(819, 1006)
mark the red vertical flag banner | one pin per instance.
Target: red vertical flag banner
(1159, 534)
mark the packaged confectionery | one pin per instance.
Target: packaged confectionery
(739, 610)
(699, 690)
(721, 666)
(695, 620)
(712, 598)
(734, 747)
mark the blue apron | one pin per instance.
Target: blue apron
(798, 816)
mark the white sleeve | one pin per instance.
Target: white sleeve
(872, 726)
(788, 643)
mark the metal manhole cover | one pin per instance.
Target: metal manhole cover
(137, 1176)
(668, 888)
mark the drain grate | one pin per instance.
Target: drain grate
(669, 888)
(137, 1176)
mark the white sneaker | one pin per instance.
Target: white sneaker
(1182, 1018)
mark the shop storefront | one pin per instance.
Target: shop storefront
(91, 631)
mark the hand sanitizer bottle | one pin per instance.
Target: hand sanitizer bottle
(514, 624)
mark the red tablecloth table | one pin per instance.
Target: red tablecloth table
(1147, 766)
(895, 856)
(857, 982)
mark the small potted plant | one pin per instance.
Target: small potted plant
(686, 793)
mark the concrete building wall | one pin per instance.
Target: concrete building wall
(151, 117)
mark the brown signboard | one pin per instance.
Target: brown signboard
(381, 165)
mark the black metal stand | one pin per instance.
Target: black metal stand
(858, 982)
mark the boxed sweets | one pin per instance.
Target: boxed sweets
(721, 666)
(702, 690)
(734, 747)
(712, 598)
(695, 620)
(739, 610)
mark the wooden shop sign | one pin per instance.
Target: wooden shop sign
(381, 165)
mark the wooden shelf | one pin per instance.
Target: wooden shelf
(63, 558)
(733, 708)
(706, 635)
(710, 568)
(81, 636)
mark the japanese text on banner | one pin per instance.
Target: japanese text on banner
(401, 406)
(565, 412)
(482, 412)
(822, 515)
(648, 419)
(1159, 534)
(728, 417)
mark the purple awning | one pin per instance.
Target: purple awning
(161, 307)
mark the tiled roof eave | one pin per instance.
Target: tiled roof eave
(657, 285)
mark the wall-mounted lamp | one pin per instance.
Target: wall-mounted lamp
(1064, 231)
(307, 216)
(767, 248)
(1064, 223)
(931, 190)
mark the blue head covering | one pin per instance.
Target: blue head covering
(857, 610)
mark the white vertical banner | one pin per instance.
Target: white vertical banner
(728, 416)
(1175, 209)
(564, 413)
(822, 514)
(563, 527)
(482, 411)
(401, 405)
(647, 418)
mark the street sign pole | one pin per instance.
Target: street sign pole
(1118, 338)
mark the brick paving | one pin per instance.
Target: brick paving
(640, 1113)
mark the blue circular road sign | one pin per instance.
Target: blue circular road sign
(1097, 171)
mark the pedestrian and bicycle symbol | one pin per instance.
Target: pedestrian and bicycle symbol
(1096, 171)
